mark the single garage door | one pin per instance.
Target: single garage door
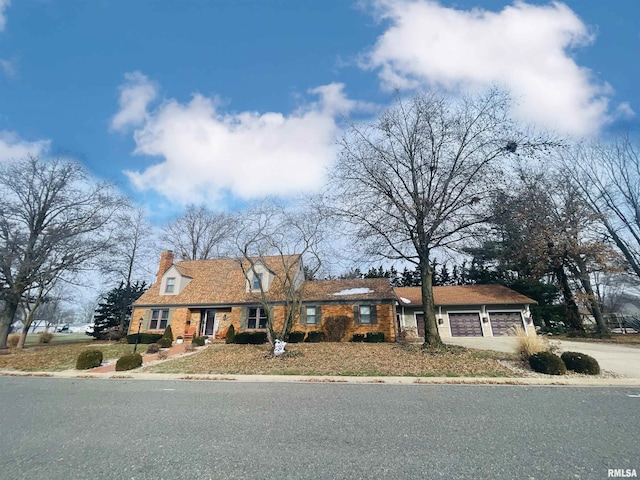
(503, 322)
(465, 325)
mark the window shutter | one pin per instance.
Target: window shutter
(303, 314)
(318, 315)
(374, 314)
(170, 314)
(356, 314)
(147, 319)
(243, 318)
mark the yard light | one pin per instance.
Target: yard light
(135, 347)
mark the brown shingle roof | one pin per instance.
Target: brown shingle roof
(463, 295)
(350, 289)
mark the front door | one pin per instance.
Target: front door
(210, 325)
(420, 324)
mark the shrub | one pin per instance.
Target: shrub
(230, 335)
(165, 342)
(13, 339)
(145, 338)
(45, 337)
(358, 337)
(581, 363)
(296, 337)
(153, 348)
(162, 354)
(253, 338)
(129, 362)
(547, 362)
(189, 347)
(168, 333)
(335, 328)
(527, 345)
(315, 336)
(198, 341)
(89, 359)
(374, 337)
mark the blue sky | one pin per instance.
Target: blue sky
(223, 101)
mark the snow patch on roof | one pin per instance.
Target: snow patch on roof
(354, 291)
(405, 300)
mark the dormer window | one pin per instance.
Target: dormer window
(170, 286)
(257, 281)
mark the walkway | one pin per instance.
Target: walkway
(146, 358)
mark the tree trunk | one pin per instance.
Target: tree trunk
(23, 337)
(8, 314)
(431, 334)
(601, 326)
(573, 320)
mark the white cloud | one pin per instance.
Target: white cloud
(525, 48)
(208, 154)
(12, 147)
(135, 96)
(3, 18)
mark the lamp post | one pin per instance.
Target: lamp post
(135, 347)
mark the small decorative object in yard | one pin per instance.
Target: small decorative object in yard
(179, 340)
(278, 349)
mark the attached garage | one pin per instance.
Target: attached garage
(502, 323)
(465, 324)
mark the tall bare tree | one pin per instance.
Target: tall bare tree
(419, 178)
(53, 220)
(199, 233)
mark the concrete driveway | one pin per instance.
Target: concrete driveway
(614, 358)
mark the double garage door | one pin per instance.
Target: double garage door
(469, 324)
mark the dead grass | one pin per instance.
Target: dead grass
(352, 359)
(630, 339)
(59, 357)
(527, 345)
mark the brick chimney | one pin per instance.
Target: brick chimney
(166, 260)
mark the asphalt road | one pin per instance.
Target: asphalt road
(127, 429)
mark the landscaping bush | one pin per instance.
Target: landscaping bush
(374, 337)
(129, 362)
(153, 348)
(189, 347)
(230, 335)
(315, 336)
(253, 338)
(13, 339)
(45, 337)
(527, 345)
(296, 337)
(168, 333)
(547, 362)
(145, 338)
(198, 341)
(336, 327)
(165, 342)
(581, 363)
(357, 337)
(89, 359)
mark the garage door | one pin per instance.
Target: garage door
(503, 322)
(465, 325)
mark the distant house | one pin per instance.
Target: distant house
(467, 311)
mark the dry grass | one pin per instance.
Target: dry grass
(629, 339)
(54, 357)
(354, 359)
(527, 345)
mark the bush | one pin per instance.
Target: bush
(145, 338)
(189, 347)
(335, 328)
(253, 338)
(45, 337)
(198, 341)
(527, 345)
(581, 363)
(374, 337)
(230, 335)
(296, 337)
(165, 342)
(13, 339)
(89, 359)
(358, 337)
(168, 333)
(153, 348)
(129, 362)
(315, 336)
(547, 362)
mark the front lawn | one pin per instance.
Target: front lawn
(355, 359)
(629, 339)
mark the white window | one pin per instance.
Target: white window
(311, 316)
(171, 283)
(257, 281)
(159, 319)
(257, 318)
(365, 314)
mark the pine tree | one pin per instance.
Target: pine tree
(115, 309)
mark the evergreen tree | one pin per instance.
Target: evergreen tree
(115, 309)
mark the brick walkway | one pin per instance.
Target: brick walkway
(146, 358)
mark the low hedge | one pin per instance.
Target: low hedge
(252, 338)
(198, 341)
(547, 362)
(129, 362)
(581, 363)
(374, 337)
(358, 337)
(145, 338)
(315, 336)
(296, 337)
(89, 359)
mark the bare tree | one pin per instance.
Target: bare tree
(199, 233)
(280, 240)
(419, 178)
(53, 220)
